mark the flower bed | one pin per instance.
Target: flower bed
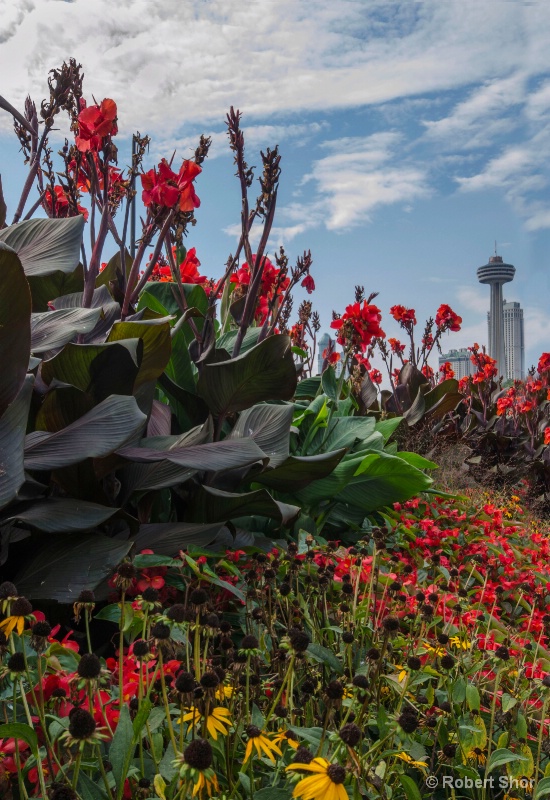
(319, 672)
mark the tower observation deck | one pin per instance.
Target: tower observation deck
(496, 273)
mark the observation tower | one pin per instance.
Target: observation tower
(496, 273)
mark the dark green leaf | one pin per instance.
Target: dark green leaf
(410, 788)
(308, 388)
(214, 505)
(227, 340)
(382, 480)
(67, 565)
(46, 246)
(157, 346)
(112, 270)
(46, 288)
(98, 433)
(121, 749)
(99, 369)
(13, 424)
(325, 656)
(15, 326)
(53, 329)
(269, 426)
(214, 457)
(171, 537)
(298, 472)
(88, 790)
(266, 372)
(19, 730)
(61, 515)
(329, 383)
(499, 758)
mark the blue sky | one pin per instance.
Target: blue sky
(413, 134)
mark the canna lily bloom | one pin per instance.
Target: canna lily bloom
(94, 123)
(326, 783)
(309, 284)
(446, 319)
(167, 188)
(218, 720)
(263, 744)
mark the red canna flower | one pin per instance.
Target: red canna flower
(59, 206)
(167, 189)
(446, 319)
(376, 376)
(309, 284)
(94, 124)
(403, 315)
(544, 363)
(396, 346)
(547, 436)
(359, 325)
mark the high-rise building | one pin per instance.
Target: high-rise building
(459, 361)
(496, 273)
(514, 340)
(322, 345)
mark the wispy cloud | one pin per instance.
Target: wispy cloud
(359, 175)
(169, 64)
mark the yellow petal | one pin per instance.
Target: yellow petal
(248, 751)
(317, 765)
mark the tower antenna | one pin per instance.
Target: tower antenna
(495, 247)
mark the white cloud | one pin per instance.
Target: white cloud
(172, 64)
(478, 120)
(359, 175)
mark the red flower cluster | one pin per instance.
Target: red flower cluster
(405, 316)
(446, 319)
(95, 123)
(273, 284)
(59, 206)
(396, 346)
(358, 326)
(376, 376)
(446, 371)
(168, 189)
(188, 270)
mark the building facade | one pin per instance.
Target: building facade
(514, 341)
(459, 361)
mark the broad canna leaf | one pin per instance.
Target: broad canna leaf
(157, 345)
(15, 326)
(168, 538)
(98, 369)
(212, 457)
(381, 480)
(61, 515)
(66, 565)
(46, 246)
(297, 472)
(54, 329)
(269, 426)
(98, 433)
(214, 505)
(13, 424)
(46, 288)
(265, 372)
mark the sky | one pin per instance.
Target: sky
(413, 135)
